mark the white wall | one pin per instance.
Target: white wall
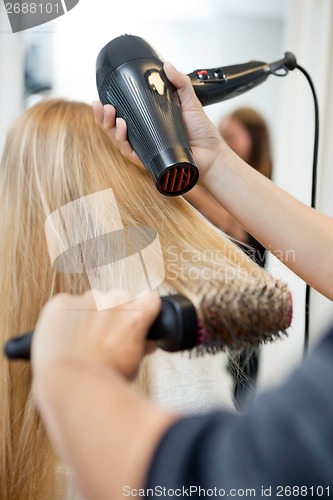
(11, 75)
(191, 34)
(303, 22)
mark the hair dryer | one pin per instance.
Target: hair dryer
(130, 76)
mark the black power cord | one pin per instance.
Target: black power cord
(313, 196)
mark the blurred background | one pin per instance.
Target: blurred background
(58, 59)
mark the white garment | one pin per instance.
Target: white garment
(190, 384)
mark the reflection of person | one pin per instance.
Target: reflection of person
(247, 134)
(55, 154)
(120, 443)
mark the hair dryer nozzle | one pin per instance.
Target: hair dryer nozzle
(174, 171)
(130, 76)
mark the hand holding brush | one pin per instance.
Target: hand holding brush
(220, 317)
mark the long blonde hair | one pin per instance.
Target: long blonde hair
(54, 154)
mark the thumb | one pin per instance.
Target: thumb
(150, 305)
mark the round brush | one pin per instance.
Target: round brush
(220, 317)
(235, 318)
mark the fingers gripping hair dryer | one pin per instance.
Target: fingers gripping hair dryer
(130, 76)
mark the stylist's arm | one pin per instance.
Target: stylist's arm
(298, 235)
(84, 359)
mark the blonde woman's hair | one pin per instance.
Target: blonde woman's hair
(54, 154)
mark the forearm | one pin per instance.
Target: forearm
(109, 443)
(299, 236)
(203, 201)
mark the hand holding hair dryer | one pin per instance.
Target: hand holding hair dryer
(130, 76)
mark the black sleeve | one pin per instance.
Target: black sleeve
(284, 440)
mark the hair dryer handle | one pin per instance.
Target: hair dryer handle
(218, 84)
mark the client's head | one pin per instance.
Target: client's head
(55, 154)
(247, 133)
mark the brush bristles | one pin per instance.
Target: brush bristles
(234, 319)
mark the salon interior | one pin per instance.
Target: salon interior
(58, 58)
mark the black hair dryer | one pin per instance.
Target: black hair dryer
(130, 76)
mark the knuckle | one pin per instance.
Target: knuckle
(61, 299)
(58, 303)
(187, 79)
(123, 148)
(121, 296)
(136, 320)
